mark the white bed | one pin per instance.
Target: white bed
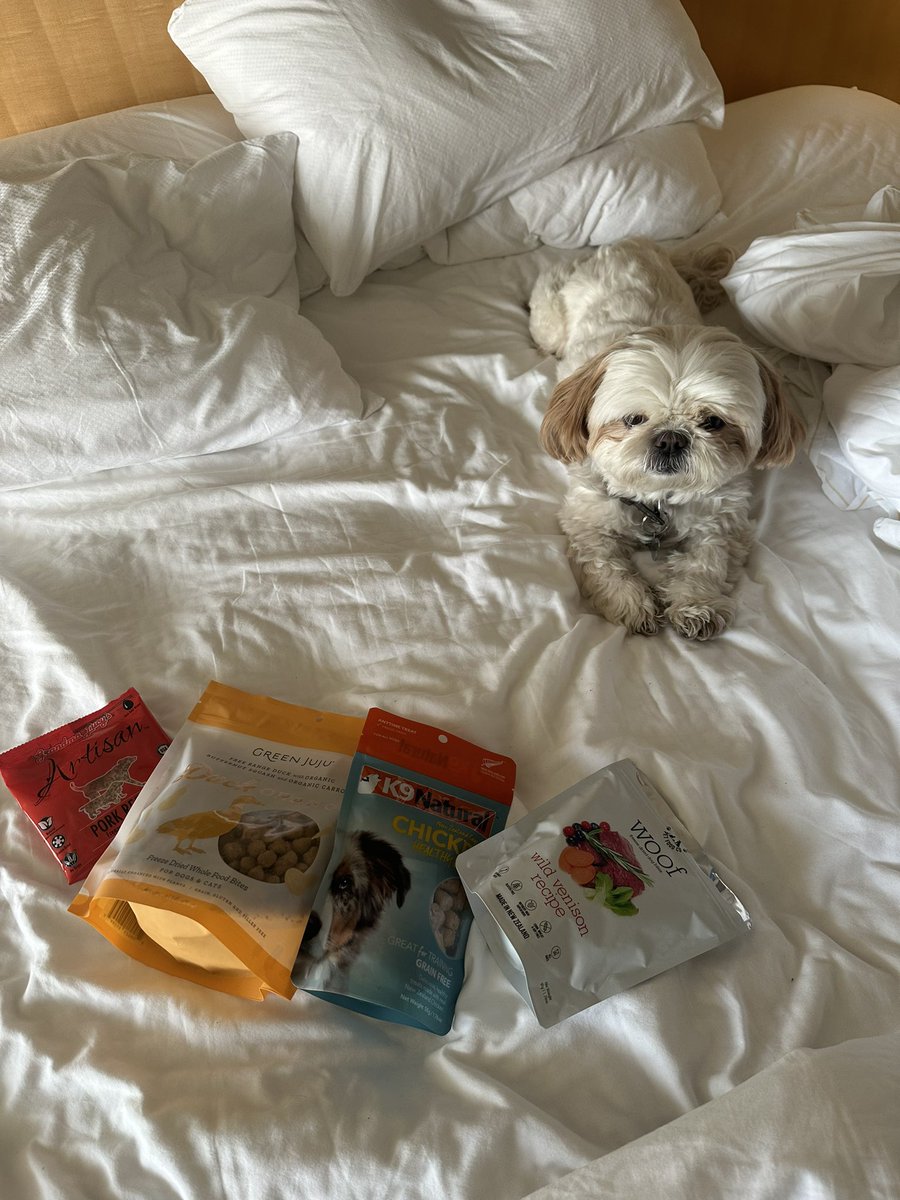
(406, 553)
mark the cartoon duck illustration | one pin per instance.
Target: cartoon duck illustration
(211, 823)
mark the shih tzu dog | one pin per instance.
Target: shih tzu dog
(659, 418)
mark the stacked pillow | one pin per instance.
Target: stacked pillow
(657, 183)
(412, 117)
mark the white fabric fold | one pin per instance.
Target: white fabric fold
(149, 308)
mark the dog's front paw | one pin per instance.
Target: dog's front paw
(634, 606)
(644, 618)
(700, 622)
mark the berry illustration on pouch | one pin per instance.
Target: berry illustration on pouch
(605, 865)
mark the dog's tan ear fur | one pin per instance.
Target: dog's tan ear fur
(703, 271)
(783, 431)
(564, 430)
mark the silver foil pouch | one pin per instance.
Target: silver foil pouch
(595, 891)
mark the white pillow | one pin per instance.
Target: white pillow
(863, 409)
(148, 309)
(657, 183)
(830, 292)
(411, 117)
(798, 148)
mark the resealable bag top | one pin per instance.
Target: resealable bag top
(595, 891)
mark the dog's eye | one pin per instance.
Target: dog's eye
(712, 423)
(343, 883)
(634, 419)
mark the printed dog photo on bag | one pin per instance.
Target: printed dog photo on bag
(369, 875)
(389, 922)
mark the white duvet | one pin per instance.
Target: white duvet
(412, 559)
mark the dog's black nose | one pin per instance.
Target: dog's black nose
(671, 441)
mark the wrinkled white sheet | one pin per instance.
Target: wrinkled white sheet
(811, 1125)
(412, 559)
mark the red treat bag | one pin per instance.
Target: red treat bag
(77, 782)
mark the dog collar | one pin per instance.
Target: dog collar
(652, 515)
(654, 520)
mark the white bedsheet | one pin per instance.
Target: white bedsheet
(412, 559)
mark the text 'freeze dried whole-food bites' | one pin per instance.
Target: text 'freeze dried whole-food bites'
(213, 875)
(78, 782)
(596, 891)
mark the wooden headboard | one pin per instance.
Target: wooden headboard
(64, 59)
(762, 45)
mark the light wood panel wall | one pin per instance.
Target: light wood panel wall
(65, 59)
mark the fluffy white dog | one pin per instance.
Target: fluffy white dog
(659, 417)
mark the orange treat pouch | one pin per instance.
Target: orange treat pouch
(214, 871)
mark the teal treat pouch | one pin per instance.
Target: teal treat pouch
(390, 919)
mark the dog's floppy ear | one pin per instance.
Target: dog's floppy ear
(390, 870)
(782, 430)
(564, 430)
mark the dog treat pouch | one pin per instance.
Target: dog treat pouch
(388, 930)
(77, 782)
(214, 872)
(594, 892)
